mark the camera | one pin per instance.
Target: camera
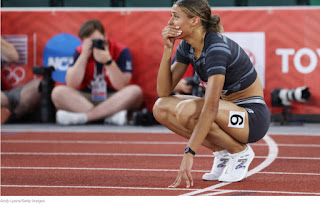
(47, 109)
(283, 97)
(44, 71)
(196, 89)
(98, 43)
(143, 118)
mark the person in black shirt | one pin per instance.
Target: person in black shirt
(233, 112)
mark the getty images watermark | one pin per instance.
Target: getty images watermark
(22, 200)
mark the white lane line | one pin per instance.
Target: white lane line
(99, 169)
(88, 142)
(131, 142)
(157, 188)
(86, 129)
(306, 132)
(289, 173)
(261, 191)
(96, 154)
(273, 153)
(139, 170)
(291, 145)
(99, 187)
(295, 133)
(217, 193)
(134, 154)
(299, 158)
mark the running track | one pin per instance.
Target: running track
(145, 164)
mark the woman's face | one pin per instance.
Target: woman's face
(180, 19)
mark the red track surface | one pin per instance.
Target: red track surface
(145, 164)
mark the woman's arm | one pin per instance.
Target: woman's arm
(208, 115)
(209, 111)
(169, 76)
(164, 79)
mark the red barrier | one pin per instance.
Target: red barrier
(283, 42)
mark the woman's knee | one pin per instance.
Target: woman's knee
(160, 109)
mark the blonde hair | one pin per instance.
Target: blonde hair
(202, 9)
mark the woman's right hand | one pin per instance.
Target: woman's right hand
(170, 34)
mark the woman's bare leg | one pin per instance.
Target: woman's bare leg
(180, 114)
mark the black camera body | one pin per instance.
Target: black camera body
(44, 71)
(47, 109)
(98, 43)
(196, 89)
(143, 118)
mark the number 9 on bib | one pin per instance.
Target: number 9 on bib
(236, 119)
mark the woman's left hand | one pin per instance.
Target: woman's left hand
(185, 171)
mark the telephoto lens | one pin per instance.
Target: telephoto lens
(284, 97)
(47, 109)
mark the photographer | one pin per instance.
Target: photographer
(97, 84)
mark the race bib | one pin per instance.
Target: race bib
(236, 119)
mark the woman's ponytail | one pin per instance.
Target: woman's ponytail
(202, 9)
(213, 25)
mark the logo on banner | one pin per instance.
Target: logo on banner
(58, 53)
(14, 75)
(253, 43)
(299, 57)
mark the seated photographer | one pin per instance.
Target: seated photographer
(20, 100)
(98, 83)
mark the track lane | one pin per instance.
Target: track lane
(142, 162)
